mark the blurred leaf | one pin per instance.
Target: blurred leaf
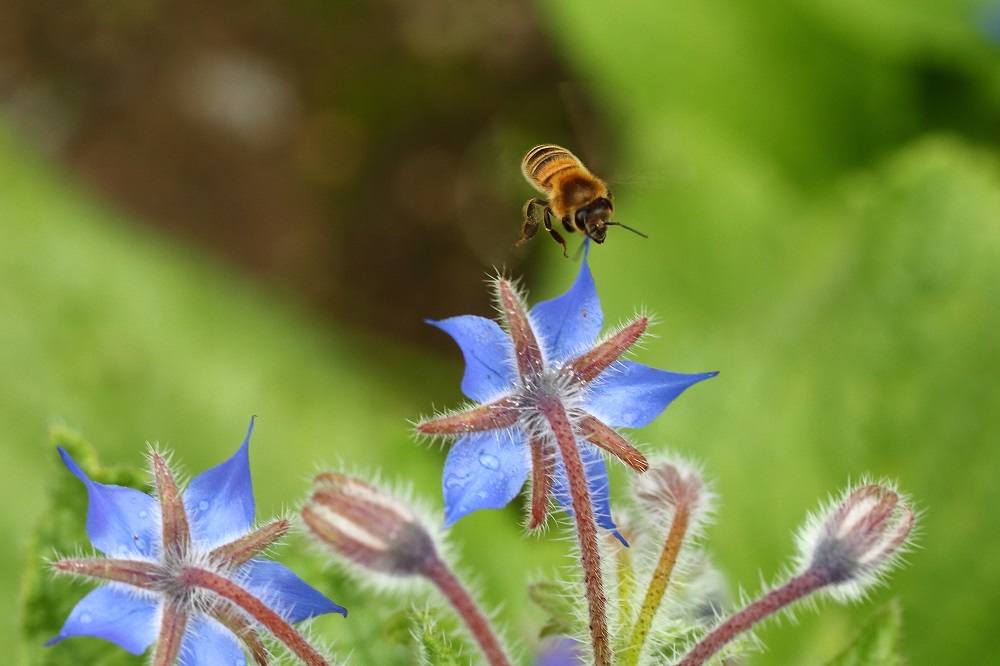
(129, 335)
(554, 598)
(46, 600)
(878, 642)
(433, 645)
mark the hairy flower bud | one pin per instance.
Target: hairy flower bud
(843, 551)
(857, 540)
(669, 485)
(367, 526)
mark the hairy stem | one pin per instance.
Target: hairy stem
(173, 625)
(258, 610)
(439, 573)
(795, 589)
(626, 590)
(658, 584)
(586, 528)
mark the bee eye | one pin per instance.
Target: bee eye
(581, 219)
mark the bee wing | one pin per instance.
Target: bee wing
(653, 179)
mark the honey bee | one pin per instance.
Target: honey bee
(576, 198)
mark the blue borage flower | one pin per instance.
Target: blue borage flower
(547, 359)
(182, 569)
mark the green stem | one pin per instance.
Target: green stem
(658, 585)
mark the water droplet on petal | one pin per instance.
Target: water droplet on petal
(85, 618)
(143, 513)
(489, 461)
(203, 505)
(141, 544)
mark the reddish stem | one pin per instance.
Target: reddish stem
(258, 610)
(173, 625)
(795, 589)
(244, 631)
(590, 559)
(439, 573)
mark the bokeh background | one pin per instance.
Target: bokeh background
(215, 209)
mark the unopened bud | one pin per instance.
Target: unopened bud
(367, 526)
(858, 539)
(670, 485)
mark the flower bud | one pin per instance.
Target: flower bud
(858, 539)
(367, 526)
(669, 485)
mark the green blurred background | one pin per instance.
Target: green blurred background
(214, 209)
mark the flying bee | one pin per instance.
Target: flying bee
(578, 199)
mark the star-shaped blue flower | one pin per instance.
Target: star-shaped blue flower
(544, 383)
(182, 569)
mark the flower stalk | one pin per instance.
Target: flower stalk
(586, 529)
(479, 626)
(658, 584)
(845, 551)
(677, 493)
(256, 609)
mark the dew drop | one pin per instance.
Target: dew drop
(489, 461)
(203, 505)
(85, 618)
(143, 513)
(141, 544)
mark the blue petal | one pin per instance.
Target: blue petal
(219, 501)
(116, 615)
(488, 352)
(284, 592)
(597, 485)
(484, 470)
(569, 324)
(632, 394)
(561, 651)
(121, 522)
(207, 643)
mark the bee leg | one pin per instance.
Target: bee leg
(559, 239)
(547, 219)
(530, 223)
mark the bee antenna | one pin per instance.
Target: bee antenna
(625, 226)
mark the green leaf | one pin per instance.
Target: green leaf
(878, 642)
(46, 600)
(434, 645)
(558, 605)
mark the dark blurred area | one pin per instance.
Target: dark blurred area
(362, 154)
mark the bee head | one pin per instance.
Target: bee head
(593, 218)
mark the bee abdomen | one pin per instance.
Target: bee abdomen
(543, 163)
